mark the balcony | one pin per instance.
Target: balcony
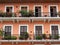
(43, 16)
(34, 37)
(37, 38)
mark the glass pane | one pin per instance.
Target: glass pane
(8, 30)
(38, 30)
(23, 29)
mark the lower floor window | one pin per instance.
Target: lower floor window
(38, 31)
(54, 31)
(23, 29)
(7, 30)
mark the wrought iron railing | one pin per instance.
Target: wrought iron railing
(41, 14)
(30, 37)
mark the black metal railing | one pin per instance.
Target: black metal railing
(30, 37)
(46, 36)
(41, 14)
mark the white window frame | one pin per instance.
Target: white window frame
(25, 6)
(41, 9)
(39, 25)
(23, 25)
(49, 8)
(9, 6)
(8, 25)
(54, 25)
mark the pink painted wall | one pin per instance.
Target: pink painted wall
(31, 25)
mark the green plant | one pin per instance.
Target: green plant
(56, 37)
(7, 37)
(1, 33)
(24, 36)
(31, 13)
(24, 13)
(21, 37)
(38, 37)
(44, 36)
(13, 37)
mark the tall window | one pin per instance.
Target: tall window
(38, 11)
(54, 30)
(53, 11)
(24, 8)
(7, 30)
(38, 30)
(23, 29)
(9, 9)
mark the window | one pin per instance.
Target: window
(23, 29)
(24, 7)
(7, 30)
(9, 9)
(38, 9)
(38, 30)
(54, 30)
(53, 9)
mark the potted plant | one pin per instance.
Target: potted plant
(21, 37)
(1, 13)
(44, 36)
(38, 37)
(56, 37)
(24, 36)
(1, 34)
(31, 13)
(24, 13)
(13, 37)
(58, 13)
(7, 37)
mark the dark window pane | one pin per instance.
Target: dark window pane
(8, 30)
(23, 29)
(38, 30)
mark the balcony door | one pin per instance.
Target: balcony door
(7, 30)
(9, 9)
(53, 11)
(38, 31)
(23, 29)
(38, 11)
(54, 31)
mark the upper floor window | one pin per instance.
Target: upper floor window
(38, 10)
(53, 10)
(24, 7)
(9, 9)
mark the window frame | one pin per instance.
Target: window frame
(9, 6)
(25, 6)
(39, 25)
(41, 9)
(23, 25)
(11, 28)
(49, 8)
(54, 25)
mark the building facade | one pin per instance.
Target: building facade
(45, 19)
